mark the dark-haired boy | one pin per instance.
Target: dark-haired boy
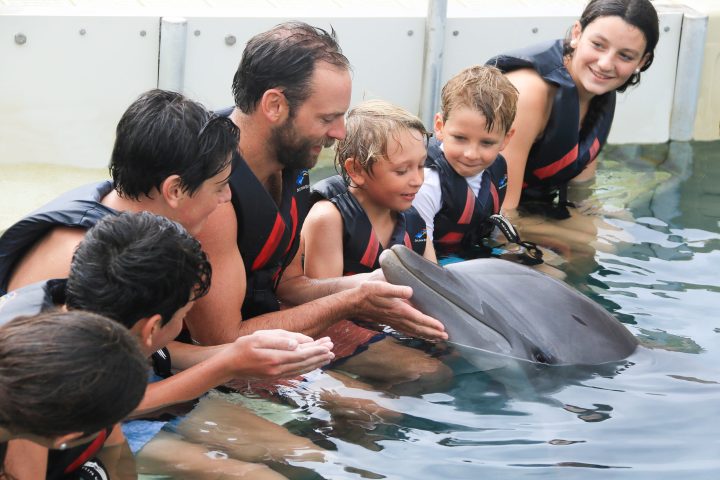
(145, 271)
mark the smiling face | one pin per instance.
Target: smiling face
(392, 182)
(606, 54)
(469, 148)
(317, 122)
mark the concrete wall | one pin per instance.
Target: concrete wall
(69, 69)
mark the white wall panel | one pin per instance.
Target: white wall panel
(64, 89)
(386, 55)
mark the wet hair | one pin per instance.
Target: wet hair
(135, 265)
(638, 13)
(163, 133)
(483, 89)
(65, 372)
(370, 126)
(284, 57)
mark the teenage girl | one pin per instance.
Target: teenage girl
(567, 96)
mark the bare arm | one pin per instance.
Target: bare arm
(216, 318)
(429, 253)
(262, 355)
(533, 108)
(49, 258)
(322, 241)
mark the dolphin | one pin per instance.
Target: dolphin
(495, 309)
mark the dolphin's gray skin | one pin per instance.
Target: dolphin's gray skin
(491, 306)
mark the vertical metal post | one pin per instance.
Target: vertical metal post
(688, 74)
(171, 63)
(432, 66)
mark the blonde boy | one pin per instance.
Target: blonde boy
(465, 175)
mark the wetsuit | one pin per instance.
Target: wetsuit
(79, 208)
(75, 462)
(562, 152)
(361, 247)
(268, 237)
(361, 253)
(463, 217)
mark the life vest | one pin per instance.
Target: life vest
(463, 218)
(561, 153)
(79, 208)
(268, 237)
(361, 247)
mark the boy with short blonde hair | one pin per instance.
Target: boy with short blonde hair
(465, 175)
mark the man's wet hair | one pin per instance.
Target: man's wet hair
(163, 133)
(131, 266)
(284, 57)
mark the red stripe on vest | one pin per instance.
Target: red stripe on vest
(469, 208)
(407, 241)
(553, 168)
(91, 450)
(271, 244)
(294, 219)
(451, 238)
(594, 149)
(371, 251)
(495, 197)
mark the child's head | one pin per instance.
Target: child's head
(67, 375)
(137, 266)
(383, 153)
(167, 144)
(475, 122)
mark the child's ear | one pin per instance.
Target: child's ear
(354, 171)
(507, 138)
(62, 440)
(145, 328)
(172, 191)
(438, 125)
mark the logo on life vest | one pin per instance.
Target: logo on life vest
(421, 236)
(301, 178)
(503, 182)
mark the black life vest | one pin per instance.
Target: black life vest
(268, 237)
(361, 247)
(562, 152)
(463, 218)
(80, 208)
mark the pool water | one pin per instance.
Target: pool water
(647, 248)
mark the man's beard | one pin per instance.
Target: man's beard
(291, 150)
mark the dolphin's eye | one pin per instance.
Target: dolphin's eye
(540, 357)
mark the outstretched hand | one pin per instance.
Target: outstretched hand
(388, 304)
(271, 354)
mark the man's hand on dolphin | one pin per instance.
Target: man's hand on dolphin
(388, 304)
